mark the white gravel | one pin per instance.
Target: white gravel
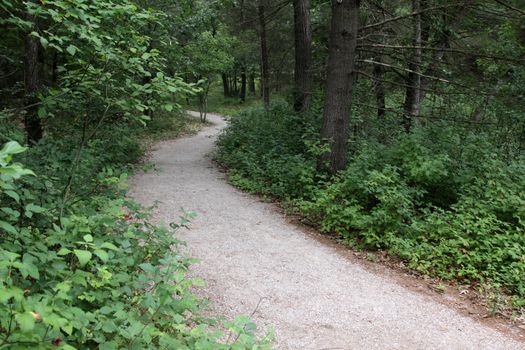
(312, 296)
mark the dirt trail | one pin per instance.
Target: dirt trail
(314, 297)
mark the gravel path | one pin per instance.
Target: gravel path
(314, 297)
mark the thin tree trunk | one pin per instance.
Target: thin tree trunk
(225, 85)
(32, 80)
(339, 82)
(265, 76)
(303, 55)
(243, 85)
(230, 86)
(54, 72)
(379, 88)
(412, 105)
(251, 84)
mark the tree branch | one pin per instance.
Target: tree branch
(428, 9)
(443, 49)
(510, 7)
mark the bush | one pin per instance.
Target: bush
(266, 152)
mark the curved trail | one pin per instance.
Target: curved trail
(314, 297)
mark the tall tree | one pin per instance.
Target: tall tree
(412, 105)
(251, 84)
(303, 55)
(265, 69)
(32, 81)
(225, 85)
(243, 85)
(339, 82)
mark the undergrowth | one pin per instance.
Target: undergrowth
(444, 199)
(82, 266)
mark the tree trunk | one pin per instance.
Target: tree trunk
(203, 101)
(339, 82)
(265, 75)
(243, 86)
(412, 106)
(228, 81)
(225, 85)
(251, 84)
(32, 80)
(379, 88)
(303, 56)
(54, 72)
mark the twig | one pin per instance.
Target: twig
(510, 6)
(251, 315)
(442, 49)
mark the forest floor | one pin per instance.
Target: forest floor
(314, 294)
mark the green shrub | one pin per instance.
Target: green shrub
(269, 151)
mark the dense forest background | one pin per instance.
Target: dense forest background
(398, 126)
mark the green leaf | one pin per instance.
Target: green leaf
(32, 208)
(72, 50)
(109, 327)
(8, 293)
(25, 321)
(7, 227)
(12, 213)
(68, 328)
(42, 112)
(63, 251)
(88, 238)
(83, 256)
(12, 147)
(29, 267)
(44, 42)
(109, 246)
(13, 195)
(102, 255)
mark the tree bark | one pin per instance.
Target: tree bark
(412, 105)
(339, 82)
(235, 91)
(303, 56)
(243, 86)
(32, 82)
(251, 84)
(265, 75)
(379, 88)
(225, 85)
(54, 71)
